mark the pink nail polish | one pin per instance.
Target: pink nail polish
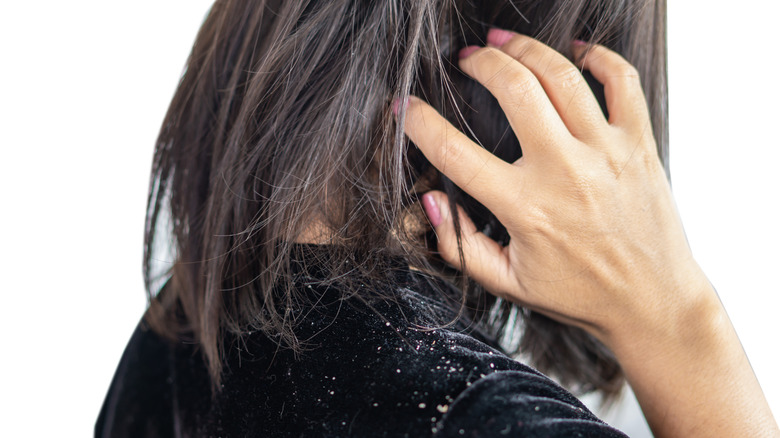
(397, 104)
(499, 37)
(431, 209)
(579, 43)
(466, 51)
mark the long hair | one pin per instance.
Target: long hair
(282, 124)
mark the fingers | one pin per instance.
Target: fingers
(545, 96)
(485, 260)
(562, 81)
(534, 119)
(468, 165)
(622, 88)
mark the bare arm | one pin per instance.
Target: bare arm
(693, 379)
(596, 240)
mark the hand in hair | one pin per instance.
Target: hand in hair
(595, 238)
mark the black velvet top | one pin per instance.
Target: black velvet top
(378, 372)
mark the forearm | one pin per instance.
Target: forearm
(692, 378)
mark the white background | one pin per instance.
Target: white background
(85, 85)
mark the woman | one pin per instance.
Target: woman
(305, 299)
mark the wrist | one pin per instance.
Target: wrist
(691, 316)
(690, 357)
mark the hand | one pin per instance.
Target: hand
(595, 239)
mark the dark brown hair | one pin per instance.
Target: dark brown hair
(283, 119)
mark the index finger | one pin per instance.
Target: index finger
(474, 169)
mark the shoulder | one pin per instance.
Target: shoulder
(373, 368)
(140, 399)
(385, 368)
(515, 404)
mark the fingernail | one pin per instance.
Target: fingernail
(579, 43)
(431, 209)
(397, 104)
(498, 37)
(466, 51)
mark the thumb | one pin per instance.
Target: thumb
(484, 259)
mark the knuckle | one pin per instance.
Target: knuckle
(520, 83)
(625, 68)
(648, 157)
(582, 182)
(637, 155)
(452, 149)
(566, 76)
(626, 73)
(583, 187)
(538, 220)
(452, 152)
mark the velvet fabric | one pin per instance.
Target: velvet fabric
(373, 368)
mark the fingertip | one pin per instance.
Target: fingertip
(405, 105)
(466, 51)
(397, 102)
(436, 206)
(498, 37)
(432, 209)
(579, 49)
(482, 259)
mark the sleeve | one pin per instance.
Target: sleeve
(520, 404)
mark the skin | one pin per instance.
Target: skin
(596, 240)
